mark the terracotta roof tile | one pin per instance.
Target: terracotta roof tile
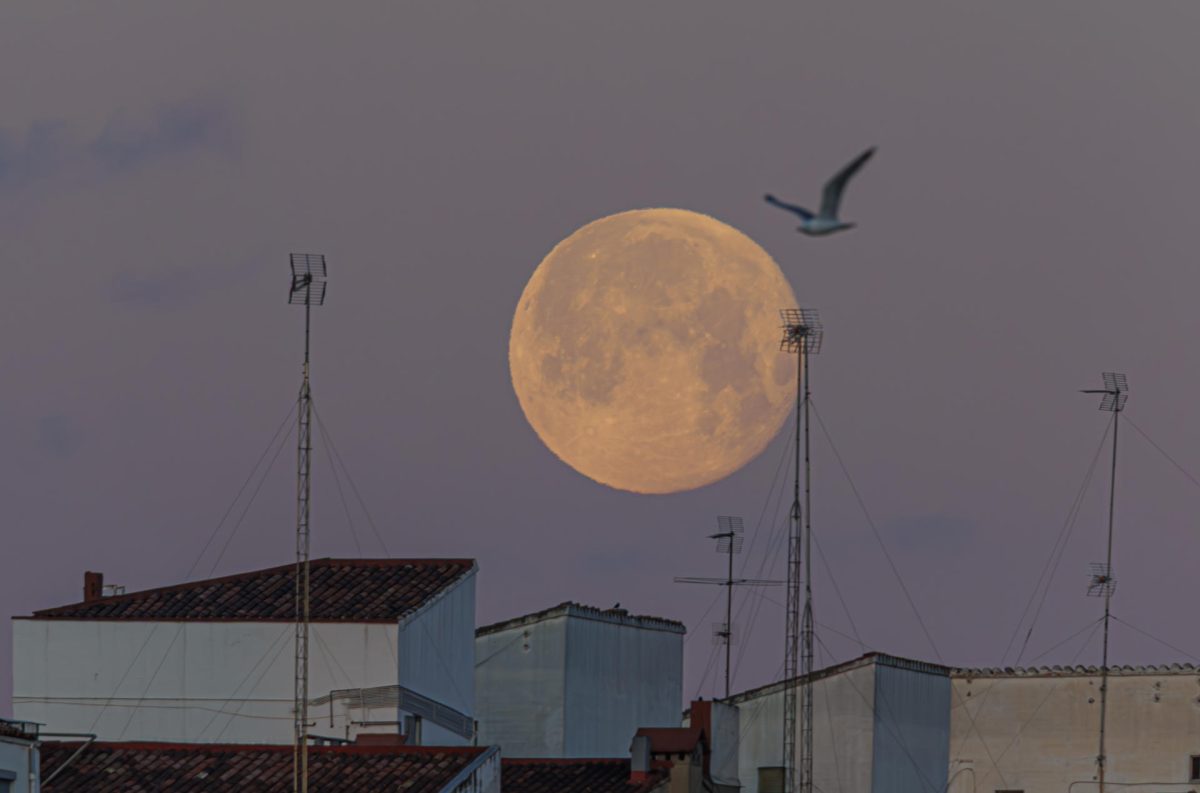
(576, 776)
(214, 768)
(350, 590)
(673, 740)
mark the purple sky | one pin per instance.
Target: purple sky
(1028, 222)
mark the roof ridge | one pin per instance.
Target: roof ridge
(171, 608)
(219, 748)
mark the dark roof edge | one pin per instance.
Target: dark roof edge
(156, 746)
(871, 658)
(572, 609)
(52, 613)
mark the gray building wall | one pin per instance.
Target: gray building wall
(911, 729)
(18, 765)
(436, 656)
(575, 681)
(520, 682)
(880, 724)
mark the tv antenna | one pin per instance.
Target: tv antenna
(1116, 393)
(802, 336)
(308, 290)
(729, 536)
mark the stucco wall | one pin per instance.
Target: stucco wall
(619, 677)
(912, 730)
(577, 683)
(437, 656)
(16, 758)
(1043, 732)
(232, 681)
(843, 731)
(520, 679)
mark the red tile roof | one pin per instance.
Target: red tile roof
(673, 740)
(575, 776)
(214, 768)
(343, 590)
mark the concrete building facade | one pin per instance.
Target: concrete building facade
(19, 757)
(880, 724)
(1037, 730)
(575, 681)
(392, 644)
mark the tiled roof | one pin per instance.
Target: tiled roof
(342, 590)
(214, 768)
(1076, 671)
(614, 615)
(672, 740)
(575, 776)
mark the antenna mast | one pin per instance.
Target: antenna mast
(308, 290)
(802, 334)
(1116, 393)
(729, 541)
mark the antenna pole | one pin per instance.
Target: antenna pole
(728, 619)
(308, 289)
(806, 630)
(729, 541)
(1116, 392)
(1101, 758)
(802, 334)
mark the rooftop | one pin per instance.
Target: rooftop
(574, 775)
(673, 740)
(868, 659)
(216, 768)
(1076, 671)
(617, 616)
(343, 590)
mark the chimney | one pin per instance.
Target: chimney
(639, 766)
(93, 586)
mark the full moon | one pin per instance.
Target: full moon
(645, 350)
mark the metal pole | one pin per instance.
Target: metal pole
(806, 656)
(303, 498)
(728, 618)
(1101, 759)
(791, 670)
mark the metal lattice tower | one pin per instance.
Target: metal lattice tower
(308, 290)
(1116, 393)
(729, 537)
(802, 335)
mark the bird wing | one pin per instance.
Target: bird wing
(831, 197)
(801, 211)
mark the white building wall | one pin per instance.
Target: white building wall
(437, 656)
(20, 760)
(520, 680)
(189, 681)
(619, 677)
(1042, 731)
(231, 682)
(843, 731)
(577, 682)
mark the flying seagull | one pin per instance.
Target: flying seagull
(826, 221)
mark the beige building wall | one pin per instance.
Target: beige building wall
(1037, 730)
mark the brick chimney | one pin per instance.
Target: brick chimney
(93, 586)
(639, 767)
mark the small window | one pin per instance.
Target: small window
(1194, 776)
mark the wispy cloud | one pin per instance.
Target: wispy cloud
(54, 148)
(60, 435)
(167, 290)
(930, 532)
